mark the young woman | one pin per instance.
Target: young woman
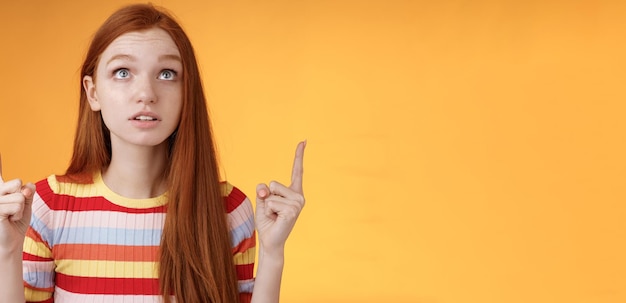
(140, 214)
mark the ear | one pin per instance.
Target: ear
(90, 90)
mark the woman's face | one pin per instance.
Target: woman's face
(138, 88)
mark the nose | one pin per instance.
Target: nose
(145, 90)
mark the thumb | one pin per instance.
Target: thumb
(28, 191)
(262, 192)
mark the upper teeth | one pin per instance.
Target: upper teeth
(145, 118)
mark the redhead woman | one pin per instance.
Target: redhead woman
(141, 215)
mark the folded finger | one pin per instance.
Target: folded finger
(10, 187)
(273, 199)
(12, 205)
(282, 208)
(18, 214)
(279, 189)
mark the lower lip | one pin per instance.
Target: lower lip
(144, 124)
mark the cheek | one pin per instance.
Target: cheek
(110, 105)
(177, 104)
(109, 117)
(177, 113)
(172, 106)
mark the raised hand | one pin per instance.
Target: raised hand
(278, 207)
(15, 211)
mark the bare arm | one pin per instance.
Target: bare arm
(11, 278)
(268, 278)
(15, 210)
(277, 210)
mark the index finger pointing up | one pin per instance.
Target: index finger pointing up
(298, 168)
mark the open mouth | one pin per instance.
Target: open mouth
(145, 118)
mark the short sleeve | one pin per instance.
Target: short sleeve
(38, 264)
(241, 225)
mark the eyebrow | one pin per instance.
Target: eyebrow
(131, 58)
(121, 57)
(170, 57)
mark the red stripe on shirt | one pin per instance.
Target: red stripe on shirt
(108, 286)
(245, 297)
(31, 233)
(245, 271)
(71, 203)
(28, 257)
(245, 244)
(234, 199)
(106, 252)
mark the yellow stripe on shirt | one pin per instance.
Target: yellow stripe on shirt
(107, 269)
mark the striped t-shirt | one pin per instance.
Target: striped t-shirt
(88, 244)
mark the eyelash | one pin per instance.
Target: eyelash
(173, 73)
(116, 72)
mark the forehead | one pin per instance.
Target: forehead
(154, 41)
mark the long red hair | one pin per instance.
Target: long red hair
(196, 262)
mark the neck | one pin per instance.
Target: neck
(137, 173)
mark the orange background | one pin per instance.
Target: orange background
(459, 151)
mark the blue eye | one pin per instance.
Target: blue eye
(167, 74)
(121, 73)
